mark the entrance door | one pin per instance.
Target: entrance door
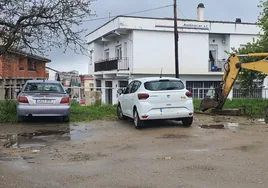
(109, 92)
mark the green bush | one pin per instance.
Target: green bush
(8, 113)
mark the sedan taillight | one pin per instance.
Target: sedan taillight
(65, 100)
(143, 96)
(23, 99)
(189, 94)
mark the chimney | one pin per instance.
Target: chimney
(238, 20)
(201, 12)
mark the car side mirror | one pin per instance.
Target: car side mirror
(120, 91)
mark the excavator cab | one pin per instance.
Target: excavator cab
(232, 69)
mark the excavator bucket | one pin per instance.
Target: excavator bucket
(208, 103)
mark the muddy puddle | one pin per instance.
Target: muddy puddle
(42, 138)
(231, 126)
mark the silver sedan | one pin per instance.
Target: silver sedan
(43, 98)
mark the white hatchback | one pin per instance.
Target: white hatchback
(155, 98)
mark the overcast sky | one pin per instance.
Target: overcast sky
(221, 10)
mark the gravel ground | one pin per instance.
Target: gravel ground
(114, 154)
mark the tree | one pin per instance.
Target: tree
(247, 78)
(38, 26)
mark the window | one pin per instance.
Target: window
(125, 49)
(21, 65)
(44, 87)
(118, 52)
(123, 84)
(164, 85)
(31, 65)
(107, 54)
(135, 87)
(98, 85)
(129, 87)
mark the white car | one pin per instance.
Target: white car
(155, 98)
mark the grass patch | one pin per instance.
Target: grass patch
(89, 113)
(255, 108)
(8, 112)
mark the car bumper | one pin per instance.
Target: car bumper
(166, 113)
(62, 110)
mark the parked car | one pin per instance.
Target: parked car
(154, 99)
(43, 98)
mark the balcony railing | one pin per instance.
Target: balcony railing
(112, 64)
(217, 65)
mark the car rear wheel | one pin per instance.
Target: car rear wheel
(137, 122)
(66, 119)
(120, 114)
(20, 119)
(187, 122)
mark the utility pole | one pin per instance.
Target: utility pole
(176, 40)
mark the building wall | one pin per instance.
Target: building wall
(100, 47)
(154, 50)
(237, 40)
(10, 67)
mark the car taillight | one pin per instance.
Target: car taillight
(65, 100)
(189, 94)
(23, 99)
(143, 96)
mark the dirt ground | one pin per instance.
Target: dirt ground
(114, 154)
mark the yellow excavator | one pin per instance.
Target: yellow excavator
(232, 69)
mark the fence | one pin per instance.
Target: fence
(200, 93)
(110, 93)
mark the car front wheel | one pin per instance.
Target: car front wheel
(137, 122)
(120, 114)
(187, 122)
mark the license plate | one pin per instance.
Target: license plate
(44, 101)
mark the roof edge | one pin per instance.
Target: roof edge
(157, 18)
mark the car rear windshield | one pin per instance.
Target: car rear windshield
(160, 85)
(44, 87)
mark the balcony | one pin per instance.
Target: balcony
(217, 65)
(112, 64)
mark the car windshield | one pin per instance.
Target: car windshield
(44, 87)
(160, 85)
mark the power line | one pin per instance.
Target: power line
(142, 11)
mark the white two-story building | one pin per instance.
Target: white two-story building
(132, 47)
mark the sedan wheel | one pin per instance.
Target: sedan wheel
(137, 122)
(120, 114)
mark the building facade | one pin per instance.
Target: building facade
(16, 68)
(131, 47)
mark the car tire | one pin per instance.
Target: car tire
(187, 122)
(20, 119)
(137, 122)
(66, 119)
(120, 114)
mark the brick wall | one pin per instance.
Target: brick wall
(17, 66)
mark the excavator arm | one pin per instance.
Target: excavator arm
(232, 69)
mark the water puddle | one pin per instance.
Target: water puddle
(231, 126)
(42, 138)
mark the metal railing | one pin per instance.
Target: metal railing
(112, 64)
(201, 93)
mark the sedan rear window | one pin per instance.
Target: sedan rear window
(160, 85)
(44, 87)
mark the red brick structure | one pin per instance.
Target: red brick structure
(16, 68)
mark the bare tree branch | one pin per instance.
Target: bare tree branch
(40, 25)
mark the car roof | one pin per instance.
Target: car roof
(43, 81)
(146, 79)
